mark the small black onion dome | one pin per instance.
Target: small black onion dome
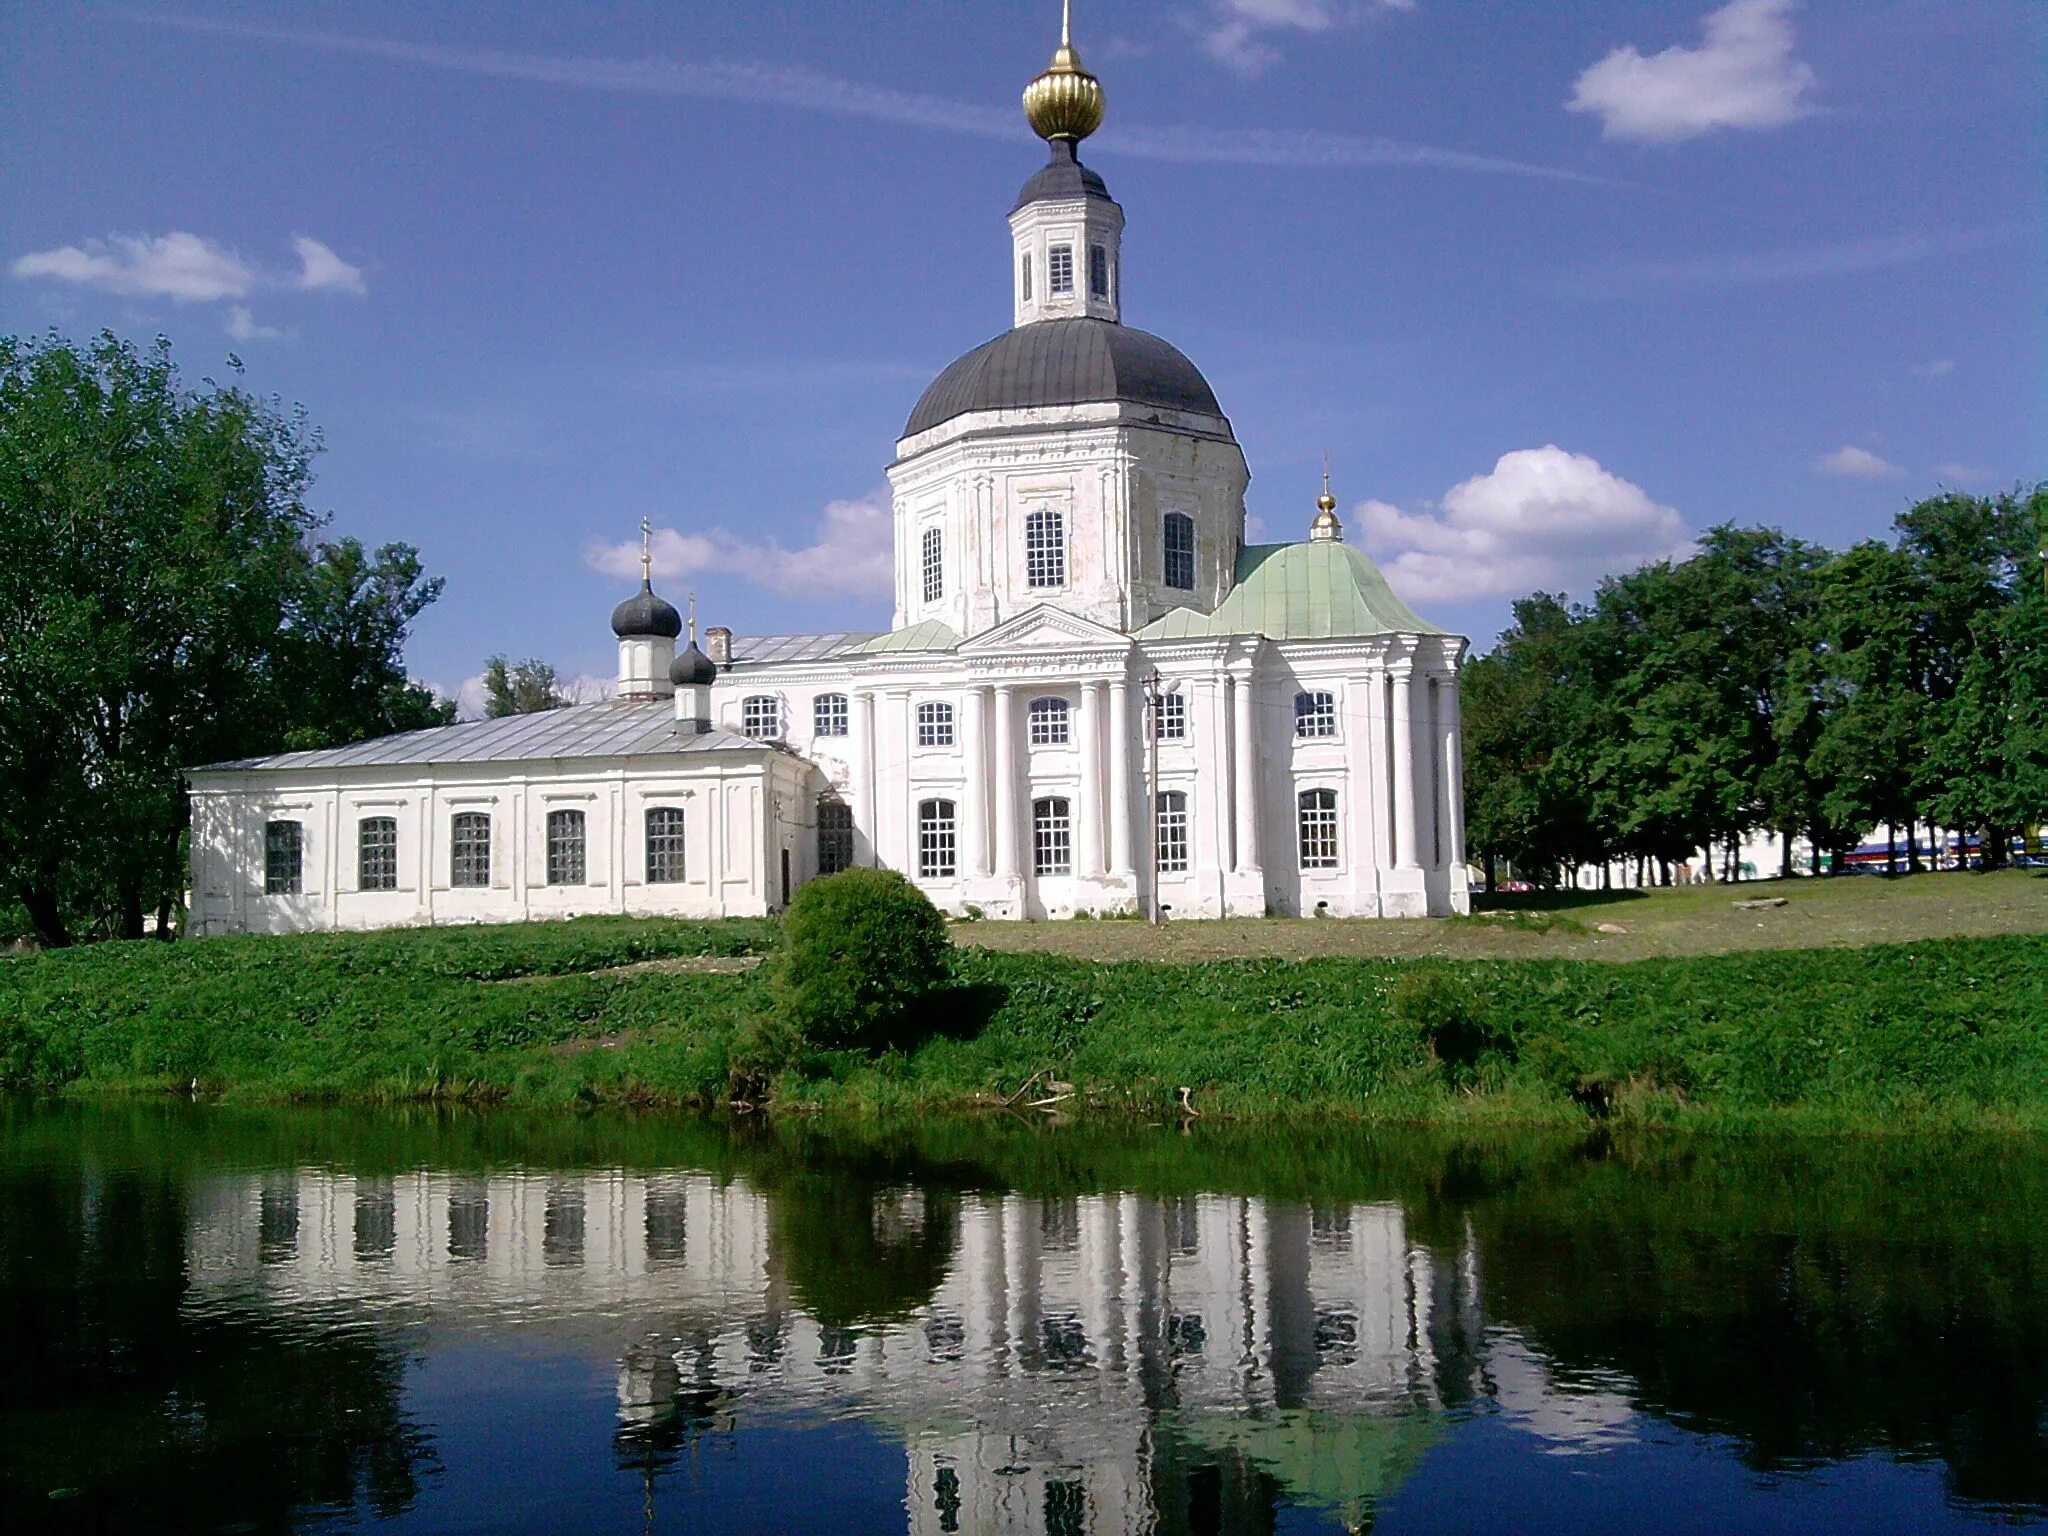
(643, 616)
(692, 669)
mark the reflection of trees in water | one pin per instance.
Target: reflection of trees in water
(148, 1413)
(860, 1248)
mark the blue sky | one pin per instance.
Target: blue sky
(1554, 285)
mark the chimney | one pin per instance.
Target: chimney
(718, 645)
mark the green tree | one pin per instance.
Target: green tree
(520, 688)
(340, 669)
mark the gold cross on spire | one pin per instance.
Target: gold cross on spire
(646, 553)
(693, 618)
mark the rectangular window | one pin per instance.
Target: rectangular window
(934, 565)
(761, 717)
(562, 1227)
(469, 1220)
(1319, 829)
(828, 715)
(469, 850)
(667, 1223)
(1027, 277)
(938, 841)
(1178, 544)
(377, 853)
(284, 858)
(1045, 549)
(1315, 715)
(1173, 832)
(1059, 269)
(835, 836)
(1051, 722)
(1172, 715)
(1098, 272)
(565, 848)
(1052, 837)
(935, 725)
(376, 1213)
(664, 845)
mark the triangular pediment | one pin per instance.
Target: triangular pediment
(1044, 629)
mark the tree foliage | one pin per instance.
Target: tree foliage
(862, 950)
(1769, 684)
(520, 688)
(162, 605)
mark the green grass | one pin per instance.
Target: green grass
(1943, 1032)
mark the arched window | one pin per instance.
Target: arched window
(1173, 832)
(284, 858)
(938, 841)
(1051, 722)
(835, 836)
(469, 850)
(1052, 837)
(934, 564)
(1178, 540)
(828, 715)
(761, 717)
(935, 725)
(664, 845)
(377, 853)
(1318, 828)
(1045, 549)
(1315, 715)
(565, 848)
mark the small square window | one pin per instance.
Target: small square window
(935, 725)
(1173, 716)
(761, 717)
(1315, 715)
(1051, 722)
(829, 715)
(1059, 269)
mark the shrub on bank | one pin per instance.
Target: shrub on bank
(862, 952)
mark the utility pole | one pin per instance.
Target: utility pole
(1152, 782)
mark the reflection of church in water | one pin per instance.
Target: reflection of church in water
(1103, 1363)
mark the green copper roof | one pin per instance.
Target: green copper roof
(1321, 590)
(931, 635)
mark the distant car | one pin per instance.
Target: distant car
(1514, 885)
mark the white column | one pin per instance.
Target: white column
(1244, 775)
(864, 799)
(1120, 779)
(1005, 773)
(1401, 744)
(1088, 834)
(1454, 770)
(974, 797)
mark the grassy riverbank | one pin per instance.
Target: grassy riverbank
(1950, 1031)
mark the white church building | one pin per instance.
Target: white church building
(1095, 696)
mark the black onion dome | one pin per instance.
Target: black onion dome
(692, 668)
(1065, 362)
(643, 616)
(1063, 179)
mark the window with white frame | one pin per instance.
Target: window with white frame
(1177, 540)
(1027, 277)
(935, 725)
(761, 717)
(1170, 711)
(284, 858)
(835, 836)
(829, 715)
(1052, 836)
(1318, 828)
(1051, 722)
(1059, 269)
(664, 845)
(1315, 714)
(377, 853)
(934, 564)
(566, 844)
(469, 850)
(938, 840)
(1173, 832)
(1045, 549)
(1098, 271)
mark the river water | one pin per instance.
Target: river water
(263, 1320)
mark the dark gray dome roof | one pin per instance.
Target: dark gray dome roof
(643, 616)
(1063, 179)
(1065, 362)
(692, 668)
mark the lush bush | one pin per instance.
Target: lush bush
(863, 952)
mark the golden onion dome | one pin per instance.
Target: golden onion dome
(1326, 526)
(1066, 101)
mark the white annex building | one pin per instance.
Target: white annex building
(1070, 545)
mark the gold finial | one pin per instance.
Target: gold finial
(1326, 528)
(1326, 501)
(1066, 101)
(646, 553)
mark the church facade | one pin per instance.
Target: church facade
(1095, 696)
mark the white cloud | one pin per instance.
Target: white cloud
(320, 268)
(1742, 75)
(1790, 264)
(1936, 368)
(242, 326)
(1541, 520)
(853, 554)
(1963, 474)
(1233, 30)
(1855, 463)
(179, 266)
